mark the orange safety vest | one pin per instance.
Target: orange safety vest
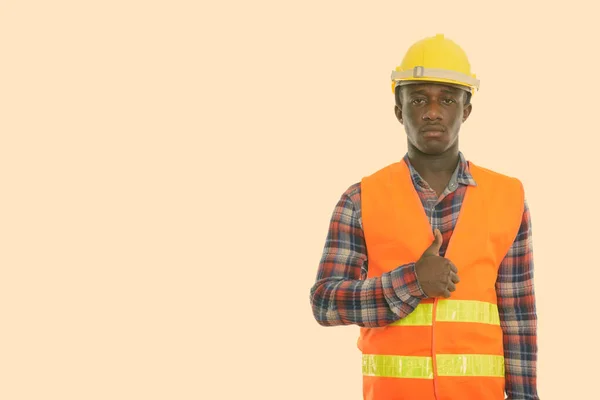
(446, 349)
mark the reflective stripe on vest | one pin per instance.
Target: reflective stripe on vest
(452, 311)
(422, 367)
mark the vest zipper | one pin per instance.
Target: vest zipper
(433, 347)
(433, 350)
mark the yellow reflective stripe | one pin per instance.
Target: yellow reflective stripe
(452, 311)
(470, 365)
(421, 315)
(397, 366)
(467, 311)
(422, 367)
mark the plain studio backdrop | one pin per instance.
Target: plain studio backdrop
(169, 168)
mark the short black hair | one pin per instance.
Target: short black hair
(398, 93)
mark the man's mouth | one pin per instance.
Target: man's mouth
(432, 131)
(432, 128)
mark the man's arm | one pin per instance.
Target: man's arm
(517, 307)
(341, 294)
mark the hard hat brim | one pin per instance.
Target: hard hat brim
(421, 74)
(436, 81)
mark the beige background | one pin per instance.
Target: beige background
(168, 170)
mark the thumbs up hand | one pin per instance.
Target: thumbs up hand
(436, 275)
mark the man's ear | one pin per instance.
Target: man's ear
(398, 112)
(467, 111)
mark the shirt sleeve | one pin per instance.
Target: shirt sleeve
(341, 294)
(517, 308)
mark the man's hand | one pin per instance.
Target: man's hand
(436, 275)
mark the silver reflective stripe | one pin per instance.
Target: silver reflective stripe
(465, 365)
(452, 311)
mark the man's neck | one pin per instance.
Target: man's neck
(434, 165)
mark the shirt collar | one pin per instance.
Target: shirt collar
(461, 174)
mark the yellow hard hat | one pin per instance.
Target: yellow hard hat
(436, 59)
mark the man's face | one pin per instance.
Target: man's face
(432, 115)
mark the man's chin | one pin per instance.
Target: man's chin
(433, 148)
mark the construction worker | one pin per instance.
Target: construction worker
(432, 256)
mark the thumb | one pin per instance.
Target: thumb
(434, 249)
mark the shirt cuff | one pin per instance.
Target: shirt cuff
(405, 283)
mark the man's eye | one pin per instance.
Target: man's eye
(449, 101)
(417, 101)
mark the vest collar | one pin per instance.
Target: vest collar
(461, 174)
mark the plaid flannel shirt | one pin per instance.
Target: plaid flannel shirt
(342, 295)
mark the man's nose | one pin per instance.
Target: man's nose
(432, 111)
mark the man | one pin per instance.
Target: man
(432, 256)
